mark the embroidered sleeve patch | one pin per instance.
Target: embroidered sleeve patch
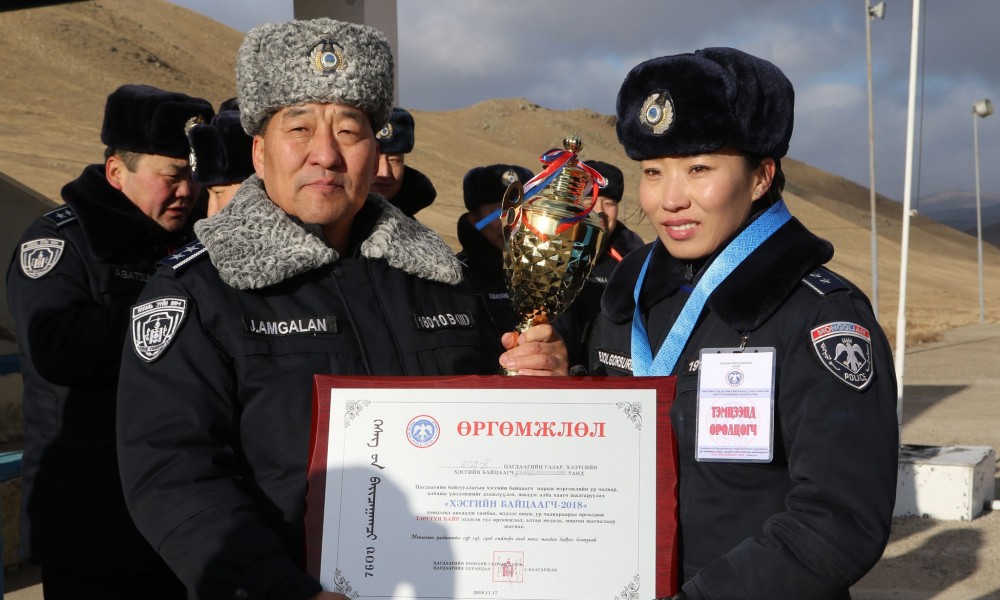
(155, 324)
(845, 349)
(38, 257)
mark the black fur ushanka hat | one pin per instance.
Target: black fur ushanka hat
(615, 186)
(148, 120)
(697, 103)
(222, 151)
(487, 185)
(397, 135)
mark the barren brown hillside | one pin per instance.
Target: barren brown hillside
(60, 62)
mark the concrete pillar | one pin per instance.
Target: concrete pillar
(380, 14)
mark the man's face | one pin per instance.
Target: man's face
(317, 162)
(610, 208)
(160, 186)
(389, 177)
(220, 195)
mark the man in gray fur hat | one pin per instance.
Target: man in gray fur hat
(304, 272)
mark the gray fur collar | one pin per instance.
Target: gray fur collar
(254, 244)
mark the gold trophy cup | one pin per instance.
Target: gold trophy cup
(552, 240)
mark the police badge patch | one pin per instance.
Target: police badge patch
(154, 325)
(38, 257)
(845, 349)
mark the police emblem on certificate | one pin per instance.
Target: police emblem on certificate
(469, 487)
(736, 405)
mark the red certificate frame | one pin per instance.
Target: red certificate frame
(666, 538)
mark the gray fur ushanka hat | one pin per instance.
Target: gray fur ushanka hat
(320, 60)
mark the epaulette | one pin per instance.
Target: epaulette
(824, 282)
(187, 255)
(61, 216)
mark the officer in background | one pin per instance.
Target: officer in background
(483, 189)
(620, 240)
(785, 408)
(575, 324)
(221, 155)
(304, 272)
(70, 284)
(407, 188)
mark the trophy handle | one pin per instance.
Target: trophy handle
(511, 204)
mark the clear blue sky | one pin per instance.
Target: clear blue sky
(566, 54)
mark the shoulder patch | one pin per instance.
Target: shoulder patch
(40, 256)
(845, 349)
(824, 282)
(155, 324)
(185, 256)
(61, 216)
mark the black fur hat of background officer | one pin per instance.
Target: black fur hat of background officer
(397, 135)
(231, 104)
(223, 152)
(487, 185)
(615, 187)
(148, 120)
(700, 102)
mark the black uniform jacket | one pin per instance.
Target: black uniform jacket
(576, 323)
(816, 518)
(215, 405)
(70, 284)
(482, 263)
(416, 192)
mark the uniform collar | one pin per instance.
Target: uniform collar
(745, 299)
(254, 244)
(416, 192)
(477, 252)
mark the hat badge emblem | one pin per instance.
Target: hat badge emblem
(328, 57)
(188, 126)
(190, 123)
(385, 133)
(509, 176)
(657, 113)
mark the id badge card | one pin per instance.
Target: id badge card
(736, 405)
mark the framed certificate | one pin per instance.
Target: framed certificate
(493, 487)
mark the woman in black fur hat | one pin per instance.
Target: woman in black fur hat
(785, 411)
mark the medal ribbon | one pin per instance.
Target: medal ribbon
(643, 362)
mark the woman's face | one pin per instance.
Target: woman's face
(696, 202)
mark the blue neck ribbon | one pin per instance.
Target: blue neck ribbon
(643, 362)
